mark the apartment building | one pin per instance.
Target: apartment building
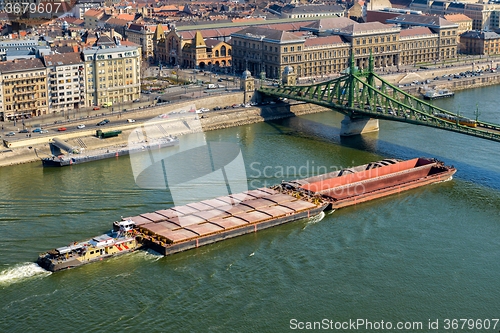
(480, 42)
(143, 35)
(22, 49)
(92, 17)
(464, 22)
(66, 82)
(485, 16)
(112, 73)
(23, 86)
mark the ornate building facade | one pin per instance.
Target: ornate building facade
(327, 47)
(172, 49)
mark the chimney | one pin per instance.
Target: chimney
(112, 33)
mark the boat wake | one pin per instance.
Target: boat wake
(444, 180)
(21, 272)
(149, 255)
(316, 218)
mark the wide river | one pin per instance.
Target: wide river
(425, 257)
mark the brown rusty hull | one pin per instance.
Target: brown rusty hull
(377, 183)
(239, 231)
(383, 191)
(374, 180)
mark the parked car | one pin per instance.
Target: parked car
(96, 108)
(130, 120)
(10, 134)
(24, 131)
(61, 129)
(80, 126)
(136, 100)
(102, 122)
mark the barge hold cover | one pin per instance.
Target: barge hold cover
(213, 218)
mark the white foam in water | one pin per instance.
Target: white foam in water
(149, 254)
(316, 218)
(21, 272)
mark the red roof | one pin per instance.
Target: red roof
(415, 32)
(323, 41)
(93, 13)
(126, 17)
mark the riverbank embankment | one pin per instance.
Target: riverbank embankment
(26, 150)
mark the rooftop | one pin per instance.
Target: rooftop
(20, 65)
(272, 35)
(63, 59)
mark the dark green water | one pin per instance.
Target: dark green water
(431, 253)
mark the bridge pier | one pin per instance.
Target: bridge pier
(354, 126)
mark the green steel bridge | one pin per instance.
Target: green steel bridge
(363, 95)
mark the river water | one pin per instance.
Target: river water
(425, 255)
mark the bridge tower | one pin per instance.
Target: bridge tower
(247, 84)
(358, 125)
(289, 77)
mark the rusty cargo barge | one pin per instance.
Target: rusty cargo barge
(181, 228)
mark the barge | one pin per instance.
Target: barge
(180, 228)
(78, 157)
(371, 181)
